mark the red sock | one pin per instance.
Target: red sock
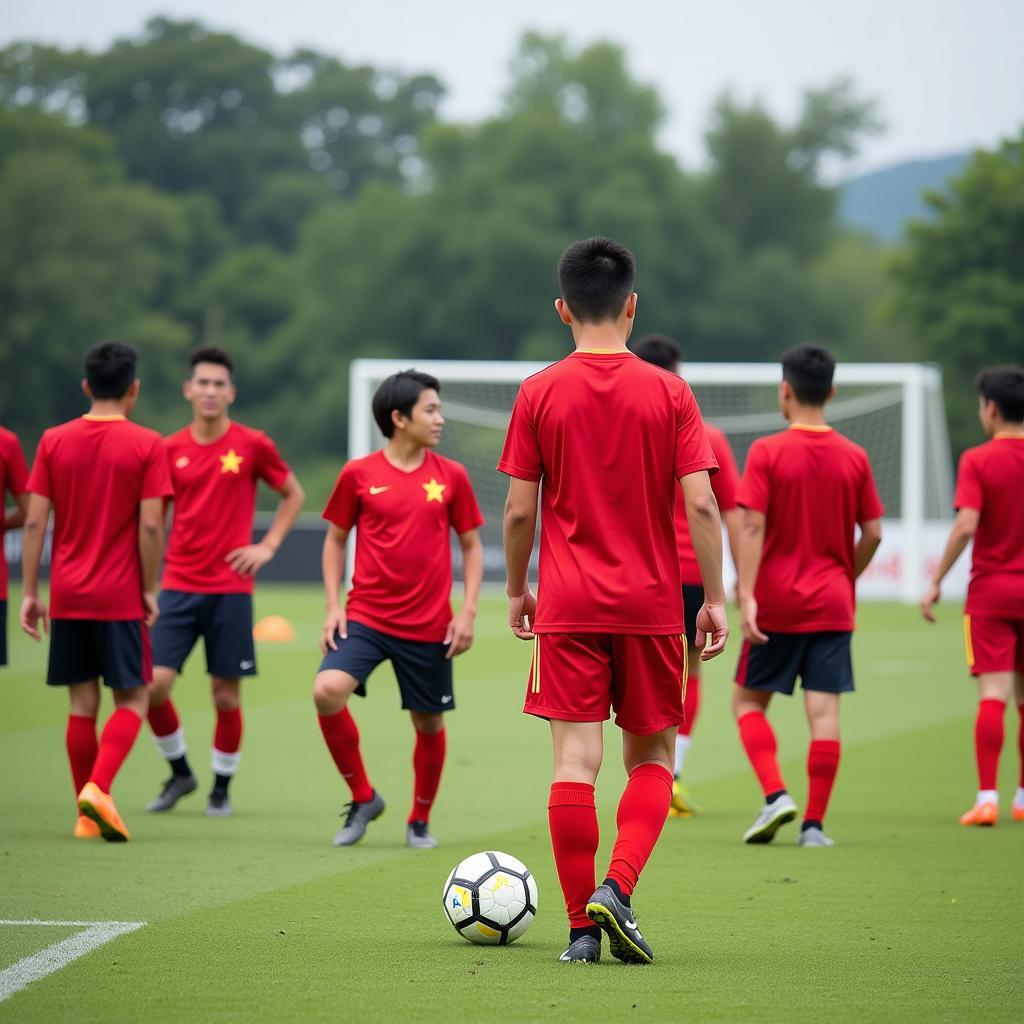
(82, 746)
(342, 737)
(427, 765)
(163, 720)
(822, 765)
(572, 820)
(691, 704)
(1020, 742)
(988, 741)
(640, 819)
(116, 742)
(227, 734)
(759, 742)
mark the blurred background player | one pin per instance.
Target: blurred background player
(216, 465)
(804, 492)
(665, 352)
(609, 436)
(990, 510)
(404, 501)
(13, 480)
(106, 481)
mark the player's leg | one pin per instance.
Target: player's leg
(1018, 689)
(762, 672)
(682, 805)
(342, 673)
(428, 758)
(227, 743)
(174, 636)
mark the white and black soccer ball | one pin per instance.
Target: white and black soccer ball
(490, 898)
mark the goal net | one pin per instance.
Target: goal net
(894, 410)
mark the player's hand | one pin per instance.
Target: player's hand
(459, 636)
(931, 597)
(152, 608)
(32, 610)
(521, 611)
(248, 561)
(748, 623)
(334, 624)
(712, 626)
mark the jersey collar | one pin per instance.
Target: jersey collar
(814, 428)
(1005, 435)
(103, 419)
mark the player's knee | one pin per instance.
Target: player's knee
(160, 688)
(135, 699)
(329, 694)
(226, 695)
(429, 723)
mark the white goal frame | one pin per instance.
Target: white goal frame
(917, 381)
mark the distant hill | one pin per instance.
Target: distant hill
(881, 202)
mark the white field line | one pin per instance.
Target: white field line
(60, 954)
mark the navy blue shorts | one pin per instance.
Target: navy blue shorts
(3, 626)
(224, 621)
(118, 652)
(693, 601)
(821, 660)
(423, 672)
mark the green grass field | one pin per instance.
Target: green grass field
(909, 918)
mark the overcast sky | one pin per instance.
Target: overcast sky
(949, 74)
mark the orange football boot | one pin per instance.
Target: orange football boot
(99, 806)
(1018, 813)
(981, 814)
(86, 828)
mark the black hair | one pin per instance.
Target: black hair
(659, 349)
(110, 369)
(400, 392)
(595, 277)
(1004, 385)
(809, 370)
(211, 354)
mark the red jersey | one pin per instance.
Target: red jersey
(13, 479)
(991, 481)
(402, 582)
(724, 483)
(95, 470)
(813, 486)
(214, 503)
(610, 435)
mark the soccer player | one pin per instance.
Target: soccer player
(665, 352)
(990, 510)
(404, 501)
(216, 465)
(105, 479)
(804, 492)
(609, 435)
(13, 479)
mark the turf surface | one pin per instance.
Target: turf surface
(909, 917)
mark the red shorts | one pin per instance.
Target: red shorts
(575, 677)
(993, 644)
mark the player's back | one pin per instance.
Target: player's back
(96, 470)
(613, 434)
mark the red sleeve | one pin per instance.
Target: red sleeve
(871, 506)
(17, 471)
(693, 451)
(342, 508)
(156, 474)
(726, 481)
(521, 455)
(464, 512)
(969, 492)
(755, 487)
(39, 481)
(270, 467)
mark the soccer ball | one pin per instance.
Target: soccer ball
(490, 898)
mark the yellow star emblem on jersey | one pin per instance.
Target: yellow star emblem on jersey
(231, 463)
(435, 491)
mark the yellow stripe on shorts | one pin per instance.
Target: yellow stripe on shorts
(686, 665)
(968, 646)
(535, 687)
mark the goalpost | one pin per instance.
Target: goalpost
(894, 410)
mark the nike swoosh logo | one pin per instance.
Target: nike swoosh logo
(379, 490)
(632, 924)
(247, 664)
(446, 700)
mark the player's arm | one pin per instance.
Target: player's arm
(751, 547)
(733, 527)
(32, 609)
(706, 535)
(460, 630)
(332, 563)
(519, 526)
(867, 545)
(250, 558)
(964, 528)
(151, 543)
(14, 518)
